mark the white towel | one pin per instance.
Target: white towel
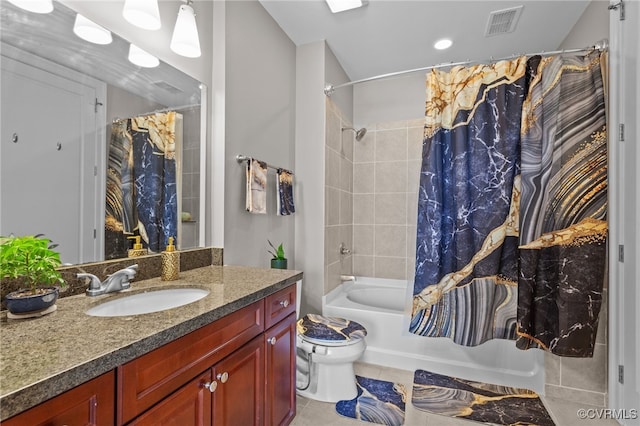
(256, 200)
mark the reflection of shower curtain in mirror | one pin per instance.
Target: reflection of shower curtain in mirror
(141, 183)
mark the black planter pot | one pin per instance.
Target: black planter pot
(21, 302)
(279, 263)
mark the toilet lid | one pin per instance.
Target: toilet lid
(330, 331)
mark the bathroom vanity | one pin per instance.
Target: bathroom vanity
(226, 359)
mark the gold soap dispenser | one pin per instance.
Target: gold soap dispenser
(170, 262)
(137, 249)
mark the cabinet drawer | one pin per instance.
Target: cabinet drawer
(279, 305)
(151, 377)
(91, 403)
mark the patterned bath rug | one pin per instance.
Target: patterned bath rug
(377, 402)
(481, 402)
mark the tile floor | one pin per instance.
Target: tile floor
(314, 413)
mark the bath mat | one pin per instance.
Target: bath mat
(377, 402)
(481, 402)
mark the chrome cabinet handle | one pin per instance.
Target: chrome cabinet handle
(272, 340)
(284, 303)
(223, 377)
(211, 386)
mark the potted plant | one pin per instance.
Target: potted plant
(32, 261)
(278, 261)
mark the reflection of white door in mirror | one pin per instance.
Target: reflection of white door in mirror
(50, 145)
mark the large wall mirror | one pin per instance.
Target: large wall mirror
(95, 149)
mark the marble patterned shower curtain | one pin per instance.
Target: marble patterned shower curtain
(466, 251)
(563, 226)
(141, 183)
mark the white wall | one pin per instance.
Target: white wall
(590, 28)
(260, 112)
(403, 98)
(310, 163)
(335, 74)
(394, 99)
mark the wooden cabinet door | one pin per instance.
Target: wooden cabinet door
(149, 379)
(238, 397)
(92, 403)
(188, 406)
(280, 393)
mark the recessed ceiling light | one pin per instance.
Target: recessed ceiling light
(342, 5)
(445, 43)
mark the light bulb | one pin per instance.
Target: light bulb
(90, 31)
(142, 13)
(142, 58)
(185, 39)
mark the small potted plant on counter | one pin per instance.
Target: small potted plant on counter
(278, 261)
(32, 262)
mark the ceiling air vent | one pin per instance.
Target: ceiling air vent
(503, 21)
(166, 86)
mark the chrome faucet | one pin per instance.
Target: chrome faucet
(118, 281)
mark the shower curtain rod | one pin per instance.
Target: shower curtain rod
(329, 88)
(176, 109)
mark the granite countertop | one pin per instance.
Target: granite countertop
(41, 358)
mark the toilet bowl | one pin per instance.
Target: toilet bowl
(326, 350)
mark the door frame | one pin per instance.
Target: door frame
(624, 227)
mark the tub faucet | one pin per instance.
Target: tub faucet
(344, 278)
(118, 281)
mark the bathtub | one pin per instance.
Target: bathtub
(379, 305)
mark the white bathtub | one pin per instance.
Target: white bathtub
(379, 305)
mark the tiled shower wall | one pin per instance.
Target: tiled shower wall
(386, 169)
(338, 197)
(191, 176)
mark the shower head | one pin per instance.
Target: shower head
(359, 133)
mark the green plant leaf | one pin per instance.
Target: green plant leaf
(30, 259)
(277, 253)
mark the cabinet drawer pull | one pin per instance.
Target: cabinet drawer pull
(284, 303)
(272, 340)
(211, 386)
(223, 377)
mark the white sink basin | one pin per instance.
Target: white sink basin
(151, 301)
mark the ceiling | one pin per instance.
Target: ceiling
(394, 35)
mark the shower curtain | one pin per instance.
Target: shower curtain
(141, 183)
(495, 261)
(466, 249)
(563, 230)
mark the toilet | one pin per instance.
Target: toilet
(326, 350)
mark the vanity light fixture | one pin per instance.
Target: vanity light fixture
(442, 44)
(142, 13)
(36, 6)
(185, 41)
(342, 5)
(142, 58)
(88, 30)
